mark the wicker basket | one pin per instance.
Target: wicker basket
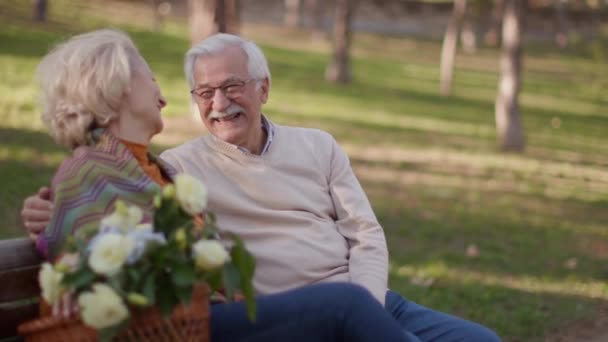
(187, 323)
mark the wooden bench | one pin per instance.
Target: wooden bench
(19, 290)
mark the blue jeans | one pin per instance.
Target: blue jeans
(331, 312)
(424, 324)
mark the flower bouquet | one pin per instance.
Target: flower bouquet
(136, 281)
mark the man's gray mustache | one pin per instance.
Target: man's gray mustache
(232, 109)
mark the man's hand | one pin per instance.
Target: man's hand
(36, 212)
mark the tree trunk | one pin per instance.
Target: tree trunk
(492, 36)
(448, 50)
(316, 18)
(292, 13)
(204, 20)
(468, 36)
(208, 17)
(158, 18)
(509, 129)
(40, 10)
(561, 24)
(338, 70)
(595, 9)
(233, 15)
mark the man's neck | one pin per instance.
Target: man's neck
(260, 141)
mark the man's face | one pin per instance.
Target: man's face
(228, 100)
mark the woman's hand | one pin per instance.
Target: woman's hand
(36, 212)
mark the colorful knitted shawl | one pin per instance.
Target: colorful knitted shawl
(87, 184)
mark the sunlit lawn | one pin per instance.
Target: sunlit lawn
(539, 220)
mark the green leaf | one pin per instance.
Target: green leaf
(244, 262)
(184, 294)
(170, 216)
(183, 275)
(116, 283)
(232, 280)
(149, 288)
(210, 232)
(214, 279)
(134, 277)
(210, 218)
(80, 280)
(165, 293)
(166, 303)
(108, 334)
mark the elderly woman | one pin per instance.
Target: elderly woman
(100, 98)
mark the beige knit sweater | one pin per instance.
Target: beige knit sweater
(298, 207)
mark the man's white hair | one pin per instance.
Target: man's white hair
(257, 66)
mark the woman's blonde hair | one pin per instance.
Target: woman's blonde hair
(83, 81)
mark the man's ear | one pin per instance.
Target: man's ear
(264, 90)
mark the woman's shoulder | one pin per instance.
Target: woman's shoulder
(85, 162)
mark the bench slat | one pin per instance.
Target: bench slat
(17, 253)
(19, 265)
(19, 284)
(12, 317)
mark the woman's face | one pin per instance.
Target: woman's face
(144, 100)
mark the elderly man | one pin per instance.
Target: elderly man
(289, 192)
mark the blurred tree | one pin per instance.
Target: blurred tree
(233, 16)
(338, 70)
(292, 13)
(492, 36)
(316, 17)
(160, 10)
(595, 8)
(509, 129)
(40, 10)
(208, 17)
(468, 36)
(448, 50)
(561, 23)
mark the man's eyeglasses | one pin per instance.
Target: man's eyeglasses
(230, 89)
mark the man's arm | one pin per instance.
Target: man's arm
(36, 212)
(356, 221)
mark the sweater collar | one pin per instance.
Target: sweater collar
(139, 151)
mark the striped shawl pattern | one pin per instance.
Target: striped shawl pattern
(87, 184)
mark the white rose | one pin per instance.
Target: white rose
(102, 308)
(209, 254)
(109, 253)
(124, 217)
(191, 193)
(50, 282)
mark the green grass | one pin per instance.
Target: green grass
(429, 165)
